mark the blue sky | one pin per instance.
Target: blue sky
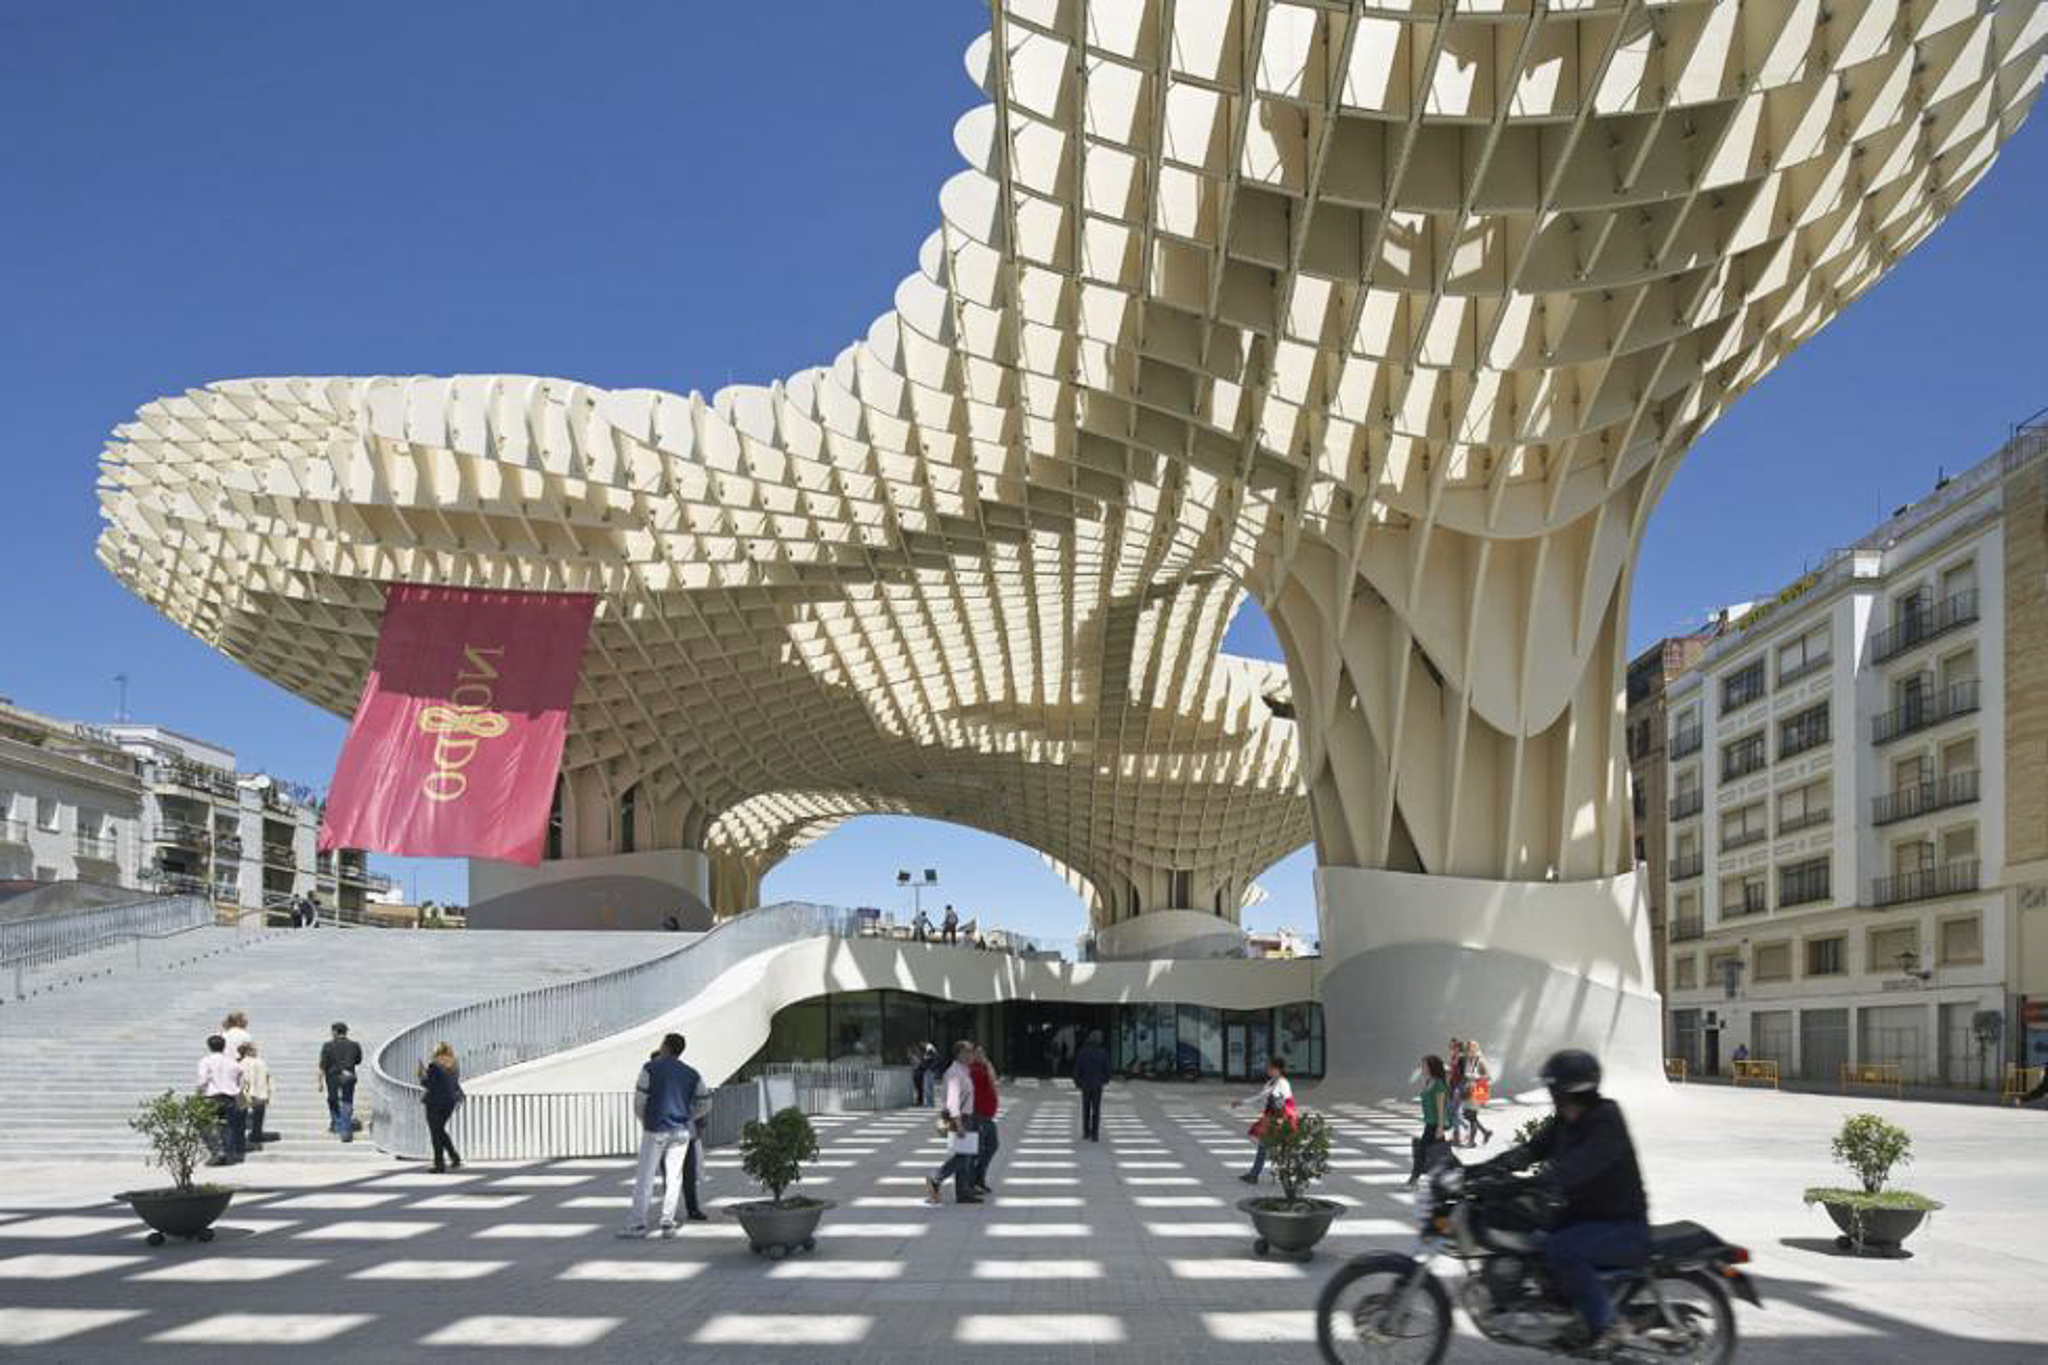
(682, 196)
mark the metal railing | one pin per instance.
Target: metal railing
(1687, 804)
(1793, 824)
(1740, 760)
(1743, 838)
(1804, 883)
(1686, 741)
(1755, 899)
(183, 833)
(1925, 883)
(43, 951)
(1743, 688)
(1922, 624)
(491, 1035)
(1686, 865)
(96, 847)
(174, 883)
(1924, 710)
(1686, 928)
(1812, 664)
(1956, 789)
(1798, 735)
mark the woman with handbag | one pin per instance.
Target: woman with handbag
(1436, 1114)
(1478, 1090)
(441, 1093)
(1275, 1102)
(956, 1122)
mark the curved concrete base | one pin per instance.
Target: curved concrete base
(1169, 934)
(1410, 962)
(621, 891)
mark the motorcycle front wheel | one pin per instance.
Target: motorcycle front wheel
(1384, 1309)
(1687, 1320)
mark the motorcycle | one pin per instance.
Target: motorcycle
(1386, 1307)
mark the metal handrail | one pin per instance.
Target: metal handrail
(196, 912)
(490, 1035)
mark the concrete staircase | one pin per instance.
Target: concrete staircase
(75, 1061)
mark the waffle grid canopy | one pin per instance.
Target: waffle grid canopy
(1396, 317)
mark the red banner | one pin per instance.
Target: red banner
(457, 740)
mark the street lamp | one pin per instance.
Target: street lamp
(917, 887)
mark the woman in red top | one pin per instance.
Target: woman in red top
(985, 1106)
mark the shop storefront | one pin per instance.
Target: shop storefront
(1039, 1038)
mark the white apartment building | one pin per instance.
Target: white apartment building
(246, 840)
(1837, 785)
(70, 803)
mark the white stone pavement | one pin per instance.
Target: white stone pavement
(1127, 1251)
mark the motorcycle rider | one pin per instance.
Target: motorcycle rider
(1589, 1160)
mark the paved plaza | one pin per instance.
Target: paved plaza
(1125, 1251)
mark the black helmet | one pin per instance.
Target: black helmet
(1573, 1071)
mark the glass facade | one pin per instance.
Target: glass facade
(1039, 1038)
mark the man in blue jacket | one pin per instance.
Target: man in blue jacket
(662, 1101)
(1091, 1074)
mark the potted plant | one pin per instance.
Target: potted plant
(1291, 1223)
(180, 1130)
(1874, 1220)
(774, 1153)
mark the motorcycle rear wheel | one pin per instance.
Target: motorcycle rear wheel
(1695, 1325)
(1352, 1311)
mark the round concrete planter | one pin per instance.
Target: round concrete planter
(1873, 1232)
(189, 1214)
(776, 1230)
(1289, 1232)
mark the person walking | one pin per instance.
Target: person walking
(917, 1075)
(1275, 1103)
(662, 1101)
(234, 1030)
(340, 1055)
(1478, 1092)
(255, 1096)
(949, 927)
(441, 1086)
(220, 1084)
(1091, 1077)
(956, 1116)
(986, 1104)
(922, 927)
(1454, 1093)
(1436, 1114)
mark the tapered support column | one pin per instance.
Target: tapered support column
(1525, 968)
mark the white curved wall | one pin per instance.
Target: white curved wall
(727, 1024)
(1169, 933)
(1525, 968)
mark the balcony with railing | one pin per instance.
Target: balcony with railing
(1923, 624)
(1685, 866)
(178, 833)
(98, 848)
(1744, 759)
(1686, 741)
(1743, 838)
(1685, 928)
(1756, 898)
(1686, 804)
(1810, 665)
(1801, 734)
(1956, 789)
(280, 855)
(1926, 883)
(227, 845)
(174, 883)
(1806, 820)
(197, 777)
(1804, 885)
(1924, 710)
(1742, 688)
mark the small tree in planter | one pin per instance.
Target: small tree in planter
(1293, 1222)
(180, 1130)
(774, 1153)
(1873, 1219)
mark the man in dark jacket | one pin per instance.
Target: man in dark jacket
(1091, 1074)
(340, 1055)
(662, 1101)
(1589, 1160)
